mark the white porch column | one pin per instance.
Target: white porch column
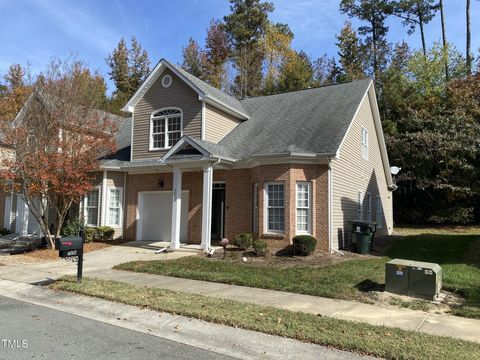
(176, 208)
(25, 216)
(207, 207)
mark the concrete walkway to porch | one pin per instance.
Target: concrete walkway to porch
(436, 324)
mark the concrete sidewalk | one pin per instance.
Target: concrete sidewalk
(233, 342)
(36, 272)
(436, 324)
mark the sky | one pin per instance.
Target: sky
(34, 31)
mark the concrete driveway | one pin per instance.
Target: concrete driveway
(37, 272)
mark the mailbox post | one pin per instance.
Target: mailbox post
(71, 248)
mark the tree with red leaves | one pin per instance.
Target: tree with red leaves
(56, 141)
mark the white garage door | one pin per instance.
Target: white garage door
(155, 216)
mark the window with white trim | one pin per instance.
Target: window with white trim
(91, 202)
(275, 207)
(379, 213)
(369, 207)
(114, 206)
(364, 143)
(165, 128)
(303, 207)
(360, 206)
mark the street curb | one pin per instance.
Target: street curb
(234, 342)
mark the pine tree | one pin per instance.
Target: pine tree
(119, 69)
(245, 26)
(374, 12)
(351, 54)
(139, 65)
(415, 13)
(128, 68)
(216, 53)
(276, 46)
(296, 73)
(194, 59)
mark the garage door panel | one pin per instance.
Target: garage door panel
(155, 216)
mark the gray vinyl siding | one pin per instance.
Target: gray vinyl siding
(179, 95)
(352, 173)
(218, 124)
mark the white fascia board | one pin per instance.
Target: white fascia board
(380, 136)
(222, 106)
(184, 140)
(152, 77)
(337, 155)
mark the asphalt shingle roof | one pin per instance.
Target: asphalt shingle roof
(211, 91)
(307, 121)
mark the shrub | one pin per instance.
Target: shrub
(243, 240)
(105, 233)
(260, 247)
(4, 231)
(72, 227)
(304, 245)
(90, 234)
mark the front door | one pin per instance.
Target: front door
(218, 211)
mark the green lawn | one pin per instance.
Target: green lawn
(388, 343)
(346, 280)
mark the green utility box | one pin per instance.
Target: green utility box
(362, 236)
(413, 278)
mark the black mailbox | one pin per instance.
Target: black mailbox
(69, 246)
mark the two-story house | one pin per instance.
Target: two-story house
(196, 165)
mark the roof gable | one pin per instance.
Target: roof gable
(205, 92)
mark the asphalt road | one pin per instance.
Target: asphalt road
(29, 331)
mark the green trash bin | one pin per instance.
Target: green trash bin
(362, 236)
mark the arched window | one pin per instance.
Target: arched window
(165, 128)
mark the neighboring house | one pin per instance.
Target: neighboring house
(195, 165)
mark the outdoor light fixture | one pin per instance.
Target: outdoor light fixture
(161, 183)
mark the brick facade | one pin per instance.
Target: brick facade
(239, 198)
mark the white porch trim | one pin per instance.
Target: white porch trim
(207, 207)
(103, 199)
(176, 208)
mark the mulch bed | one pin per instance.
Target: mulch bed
(52, 254)
(319, 258)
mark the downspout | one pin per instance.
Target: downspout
(330, 206)
(123, 202)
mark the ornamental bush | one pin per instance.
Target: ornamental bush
(260, 247)
(105, 233)
(304, 245)
(72, 227)
(244, 241)
(90, 234)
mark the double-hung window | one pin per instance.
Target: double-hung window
(91, 207)
(165, 128)
(275, 207)
(369, 207)
(303, 207)
(360, 206)
(379, 213)
(364, 143)
(114, 206)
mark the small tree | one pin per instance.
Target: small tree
(57, 138)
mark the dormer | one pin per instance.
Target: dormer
(171, 103)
